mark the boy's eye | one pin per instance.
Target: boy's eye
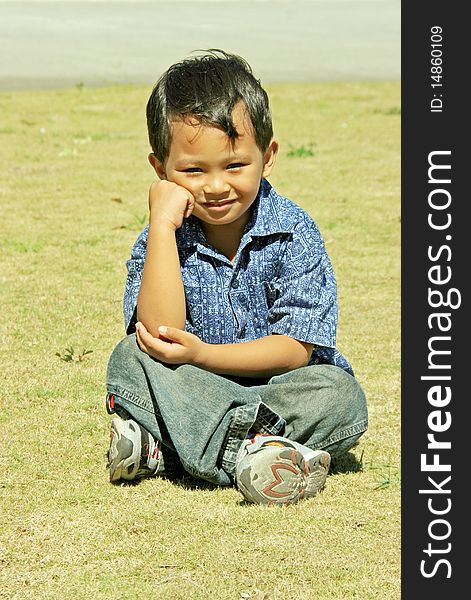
(235, 166)
(192, 170)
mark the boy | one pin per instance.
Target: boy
(229, 369)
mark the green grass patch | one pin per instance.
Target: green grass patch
(301, 151)
(73, 192)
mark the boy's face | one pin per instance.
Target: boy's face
(223, 176)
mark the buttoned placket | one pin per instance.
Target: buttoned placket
(238, 293)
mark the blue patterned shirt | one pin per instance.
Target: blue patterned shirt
(280, 282)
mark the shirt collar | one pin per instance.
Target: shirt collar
(266, 219)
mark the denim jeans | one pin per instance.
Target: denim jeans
(202, 418)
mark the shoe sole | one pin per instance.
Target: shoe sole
(282, 475)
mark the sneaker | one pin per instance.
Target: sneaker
(133, 453)
(274, 470)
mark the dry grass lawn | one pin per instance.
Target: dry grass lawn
(73, 193)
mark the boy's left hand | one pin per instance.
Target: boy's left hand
(174, 347)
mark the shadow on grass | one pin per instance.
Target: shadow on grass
(346, 463)
(188, 482)
(182, 480)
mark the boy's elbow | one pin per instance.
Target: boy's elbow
(308, 350)
(299, 354)
(152, 323)
(299, 361)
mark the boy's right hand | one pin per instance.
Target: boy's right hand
(169, 204)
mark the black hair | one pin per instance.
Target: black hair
(207, 87)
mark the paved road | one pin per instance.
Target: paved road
(56, 44)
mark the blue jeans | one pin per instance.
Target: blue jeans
(201, 418)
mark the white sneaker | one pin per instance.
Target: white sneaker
(274, 470)
(133, 453)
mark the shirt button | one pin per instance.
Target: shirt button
(235, 283)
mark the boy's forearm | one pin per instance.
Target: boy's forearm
(161, 297)
(265, 357)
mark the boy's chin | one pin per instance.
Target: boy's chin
(237, 222)
(215, 215)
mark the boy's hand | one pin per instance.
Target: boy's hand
(174, 346)
(169, 203)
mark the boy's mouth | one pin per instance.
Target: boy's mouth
(218, 205)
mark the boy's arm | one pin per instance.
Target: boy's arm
(161, 296)
(264, 357)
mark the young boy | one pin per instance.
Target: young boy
(229, 369)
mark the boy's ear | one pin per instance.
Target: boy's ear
(157, 166)
(270, 157)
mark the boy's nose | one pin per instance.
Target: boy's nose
(215, 185)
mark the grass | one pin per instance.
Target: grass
(70, 354)
(73, 190)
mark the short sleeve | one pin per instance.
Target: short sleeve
(305, 305)
(135, 267)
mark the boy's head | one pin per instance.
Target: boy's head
(207, 87)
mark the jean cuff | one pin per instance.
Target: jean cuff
(258, 417)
